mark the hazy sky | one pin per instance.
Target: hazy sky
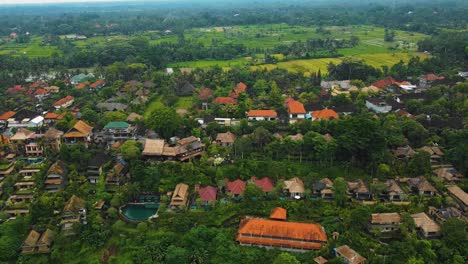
(50, 1)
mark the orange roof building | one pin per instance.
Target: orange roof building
(7, 115)
(240, 88)
(97, 84)
(82, 86)
(291, 236)
(278, 213)
(296, 108)
(326, 114)
(262, 115)
(225, 101)
(64, 102)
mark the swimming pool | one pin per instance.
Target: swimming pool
(139, 212)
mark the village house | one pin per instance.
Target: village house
(296, 111)
(324, 114)
(394, 193)
(204, 94)
(50, 118)
(294, 188)
(225, 139)
(349, 255)
(320, 260)
(112, 106)
(448, 174)
(224, 101)
(22, 186)
(207, 194)
(444, 213)
(426, 81)
(289, 236)
(118, 131)
(459, 196)
(28, 173)
(5, 117)
(405, 152)
(436, 153)
(56, 177)
(53, 139)
(80, 78)
(179, 196)
(96, 166)
(240, 88)
(324, 189)
(384, 222)
(27, 142)
(359, 190)
(82, 86)
(73, 213)
(52, 89)
(262, 115)
(97, 85)
(80, 133)
(421, 186)
(134, 118)
(64, 102)
(378, 105)
(266, 184)
(235, 188)
(117, 174)
(38, 243)
(183, 150)
(427, 228)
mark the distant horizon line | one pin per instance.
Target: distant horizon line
(48, 2)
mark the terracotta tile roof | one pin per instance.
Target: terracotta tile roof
(208, 193)
(326, 114)
(52, 115)
(385, 218)
(63, 100)
(278, 214)
(424, 222)
(384, 82)
(281, 234)
(97, 83)
(227, 137)
(296, 107)
(458, 193)
(240, 88)
(40, 92)
(350, 255)
(262, 113)
(35, 85)
(16, 89)
(266, 184)
(205, 93)
(7, 115)
(82, 85)
(224, 100)
(236, 187)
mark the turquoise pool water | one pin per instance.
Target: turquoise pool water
(140, 212)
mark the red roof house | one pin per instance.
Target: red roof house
(97, 84)
(266, 184)
(326, 114)
(296, 108)
(240, 88)
(432, 77)
(205, 94)
(16, 89)
(64, 102)
(262, 115)
(235, 187)
(7, 115)
(208, 193)
(225, 101)
(82, 85)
